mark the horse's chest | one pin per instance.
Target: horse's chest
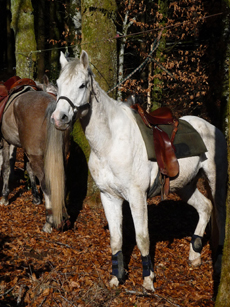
(105, 178)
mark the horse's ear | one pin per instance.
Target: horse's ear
(45, 79)
(84, 60)
(62, 60)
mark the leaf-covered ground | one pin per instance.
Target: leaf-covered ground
(73, 268)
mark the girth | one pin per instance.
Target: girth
(165, 153)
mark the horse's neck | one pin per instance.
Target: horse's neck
(97, 124)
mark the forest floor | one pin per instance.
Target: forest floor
(73, 267)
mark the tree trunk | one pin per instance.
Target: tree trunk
(223, 296)
(98, 33)
(41, 40)
(25, 43)
(9, 33)
(55, 33)
(125, 26)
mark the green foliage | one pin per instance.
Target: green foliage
(79, 138)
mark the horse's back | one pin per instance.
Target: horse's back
(213, 138)
(214, 161)
(32, 105)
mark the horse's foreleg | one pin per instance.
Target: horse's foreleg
(113, 211)
(203, 207)
(139, 212)
(5, 172)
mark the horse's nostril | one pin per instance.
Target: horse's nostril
(64, 118)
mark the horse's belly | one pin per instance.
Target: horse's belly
(188, 170)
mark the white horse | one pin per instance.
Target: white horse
(120, 167)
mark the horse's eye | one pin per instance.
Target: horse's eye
(82, 86)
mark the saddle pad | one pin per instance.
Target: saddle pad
(187, 142)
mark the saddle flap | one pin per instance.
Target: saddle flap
(165, 153)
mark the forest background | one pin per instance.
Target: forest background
(186, 69)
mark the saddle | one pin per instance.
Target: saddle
(165, 151)
(13, 85)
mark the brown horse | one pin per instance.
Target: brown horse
(25, 124)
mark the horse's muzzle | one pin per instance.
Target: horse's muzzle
(61, 124)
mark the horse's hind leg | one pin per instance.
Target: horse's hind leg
(37, 166)
(5, 172)
(203, 206)
(12, 157)
(35, 192)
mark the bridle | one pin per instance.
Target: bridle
(88, 104)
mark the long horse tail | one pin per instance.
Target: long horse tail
(54, 168)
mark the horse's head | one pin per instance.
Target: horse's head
(47, 86)
(74, 88)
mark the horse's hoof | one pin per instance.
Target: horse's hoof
(47, 228)
(4, 202)
(148, 282)
(196, 262)
(37, 201)
(114, 282)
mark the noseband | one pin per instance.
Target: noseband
(75, 108)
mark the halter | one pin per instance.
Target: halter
(75, 108)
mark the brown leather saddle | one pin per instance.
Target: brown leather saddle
(13, 85)
(165, 152)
